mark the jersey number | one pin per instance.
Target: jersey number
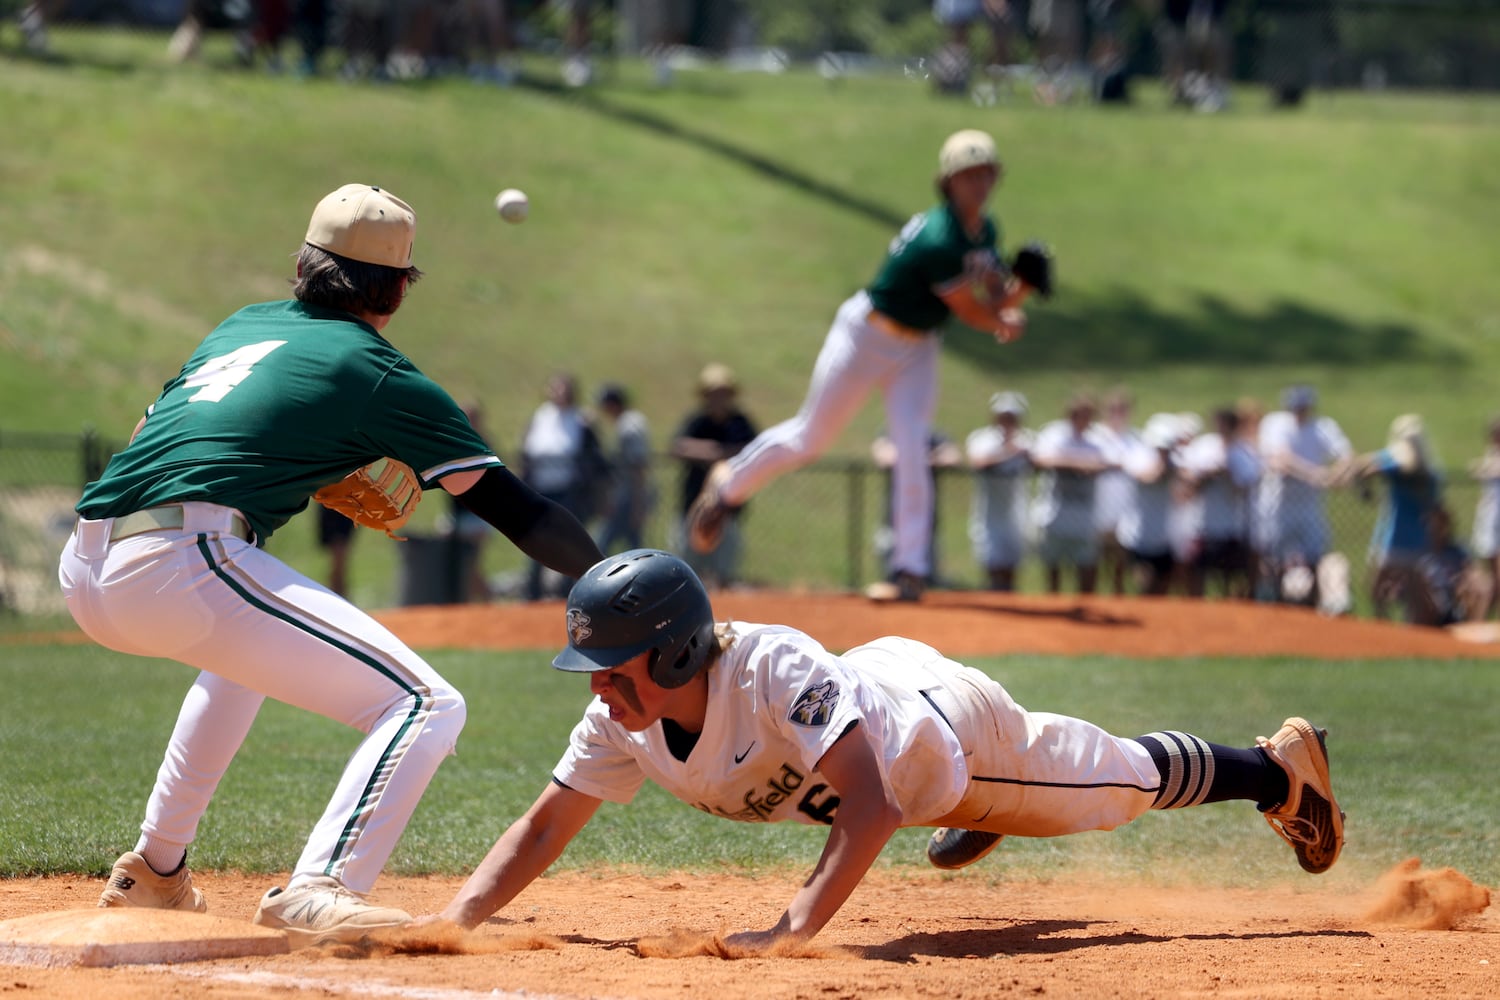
(216, 376)
(819, 806)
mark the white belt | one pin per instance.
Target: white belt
(206, 518)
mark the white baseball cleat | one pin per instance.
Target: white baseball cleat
(322, 911)
(132, 882)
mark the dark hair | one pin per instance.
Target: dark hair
(613, 394)
(334, 282)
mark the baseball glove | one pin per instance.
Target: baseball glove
(1033, 265)
(380, 495)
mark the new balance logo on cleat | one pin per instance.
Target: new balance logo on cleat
(122, 882)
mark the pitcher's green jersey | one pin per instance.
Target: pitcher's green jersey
(931, 254)
(280, 400)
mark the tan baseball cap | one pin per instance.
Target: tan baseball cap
(364, 223)
(964, 149)
(716, 376)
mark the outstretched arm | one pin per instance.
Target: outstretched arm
(542, 529)
(522, 853)
(867, 816)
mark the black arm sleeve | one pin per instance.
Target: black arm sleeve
(542, 529)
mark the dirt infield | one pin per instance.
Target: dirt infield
(911, 933)
(964, 623)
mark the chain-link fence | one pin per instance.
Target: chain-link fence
(824, 527)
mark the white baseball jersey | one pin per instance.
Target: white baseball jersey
(954, 743)
(1226, 473)
(777, 701)
(1064, 501)
(1143, 524)
(1114, 490)
(997, 516)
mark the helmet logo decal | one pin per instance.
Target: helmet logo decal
(814, 706)
(578, 626)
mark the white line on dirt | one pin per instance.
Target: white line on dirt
(276, 980)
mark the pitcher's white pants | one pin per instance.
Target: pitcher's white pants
(258, 629)
(857, 357)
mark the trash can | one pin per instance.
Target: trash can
(434, 568)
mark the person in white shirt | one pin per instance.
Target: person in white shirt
(1000, 455)
(1220, 470)
(1485, 535)
(1303, 454)
(1070, 460)
(1114, 489)
(761, 723)
(1144, 529)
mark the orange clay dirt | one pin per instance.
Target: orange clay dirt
(907, 932)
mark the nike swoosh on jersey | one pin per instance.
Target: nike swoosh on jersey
(739, 758)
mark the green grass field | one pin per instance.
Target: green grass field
(1411, 744)
(1201, 258)
(1350, 243)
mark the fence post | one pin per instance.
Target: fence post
(856, 507)
(90, 455)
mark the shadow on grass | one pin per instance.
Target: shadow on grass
(1118, 330)
(1123, 331)
(1038, 937)
(594, 101)
(1078, 614)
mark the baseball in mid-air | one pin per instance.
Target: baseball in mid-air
(513, 205)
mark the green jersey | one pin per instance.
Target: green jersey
(280, 400)
(931, 255)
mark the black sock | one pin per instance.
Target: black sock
(1195, 771)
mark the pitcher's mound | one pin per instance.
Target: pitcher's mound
(131, 937)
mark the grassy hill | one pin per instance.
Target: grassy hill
(1201, 258)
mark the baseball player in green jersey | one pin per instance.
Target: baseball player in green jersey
(167, 560)
(943, 263)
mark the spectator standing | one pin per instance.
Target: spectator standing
(560, 459)
(1220, 470)
(33, 20)
(944, 264)
(1485, 538)
(1304, 453)
(1195, 49)
(715, 432)
(631, 496)
(1115, 490)
(1000, 19)
(1000, 455)
(1399, 540)
(1069, 459)
(1445, 591)
(1144, 528)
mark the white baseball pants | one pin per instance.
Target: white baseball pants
(258, 629)
(1037, 774)
(857, 357)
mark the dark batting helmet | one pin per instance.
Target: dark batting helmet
(639, 601)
